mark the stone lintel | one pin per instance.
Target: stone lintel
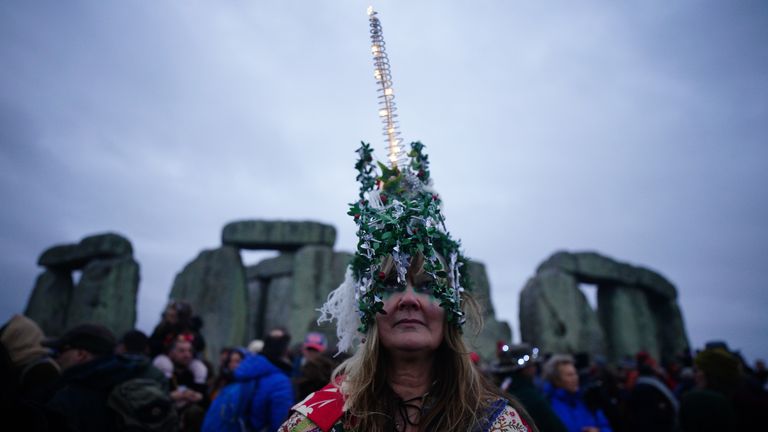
(277, 235)
(76, 256)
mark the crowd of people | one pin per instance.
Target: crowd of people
(89, 380)
(713, 389)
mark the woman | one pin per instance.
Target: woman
(177, 319)
(413, 373)
(562, 389)
(402, 305)
(230, 359)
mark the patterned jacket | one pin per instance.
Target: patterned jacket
(323, 411)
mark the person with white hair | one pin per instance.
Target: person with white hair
(562, 389)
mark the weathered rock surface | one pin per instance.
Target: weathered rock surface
(277, 235)
(556, 317)
(280, 265)
(593, 268)
(629, 324)
(47, 305)
(671, 328)
(106, 294)
(637, 307)
(287, 290)
(76, 256)
(493, 330)
(214, 284)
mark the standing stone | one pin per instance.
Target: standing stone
(671, 329)
(556, 317)
(287, 290)
(628, 321)
(106, 294)
(312, 281)
(493, 330)
(278, 235)
(47, 305)
(214, 284)
(278, 312)
(260, 278)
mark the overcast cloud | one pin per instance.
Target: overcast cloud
(635, 130)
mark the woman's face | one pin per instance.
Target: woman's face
(413, 321)
(234, 360)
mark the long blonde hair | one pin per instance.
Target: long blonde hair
(459, 400)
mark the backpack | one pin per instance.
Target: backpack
(229, 411)
(141, 404)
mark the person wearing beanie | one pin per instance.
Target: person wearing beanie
(709, 407)
(27, 373)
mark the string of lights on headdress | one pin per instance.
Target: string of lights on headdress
(387, 107)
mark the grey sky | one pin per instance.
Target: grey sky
(636, 130)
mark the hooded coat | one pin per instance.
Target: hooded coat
(273, 398)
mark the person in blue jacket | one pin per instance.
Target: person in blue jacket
(562, 389)
(261, 394)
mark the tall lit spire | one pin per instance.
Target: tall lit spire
(387, 107)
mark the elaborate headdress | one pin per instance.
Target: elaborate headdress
(398, 215)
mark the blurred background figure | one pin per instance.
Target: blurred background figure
(708, 407)
(229, 361)
(261, 393)
(177, 319)
(180, 366)
(651, 405)
(133, 342)
(188, 381)
(313, 347)
(100, 390)
(27, 372)
(314, 374)
(562, 390)
(515, 372)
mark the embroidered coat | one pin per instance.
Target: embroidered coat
(322, 411)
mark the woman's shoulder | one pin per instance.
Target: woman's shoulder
(320, 411)
(506, 419)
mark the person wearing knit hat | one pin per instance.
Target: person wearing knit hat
(27, 368)
(709, 406)
(27, 373)
(23, 339)
(718, 370)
